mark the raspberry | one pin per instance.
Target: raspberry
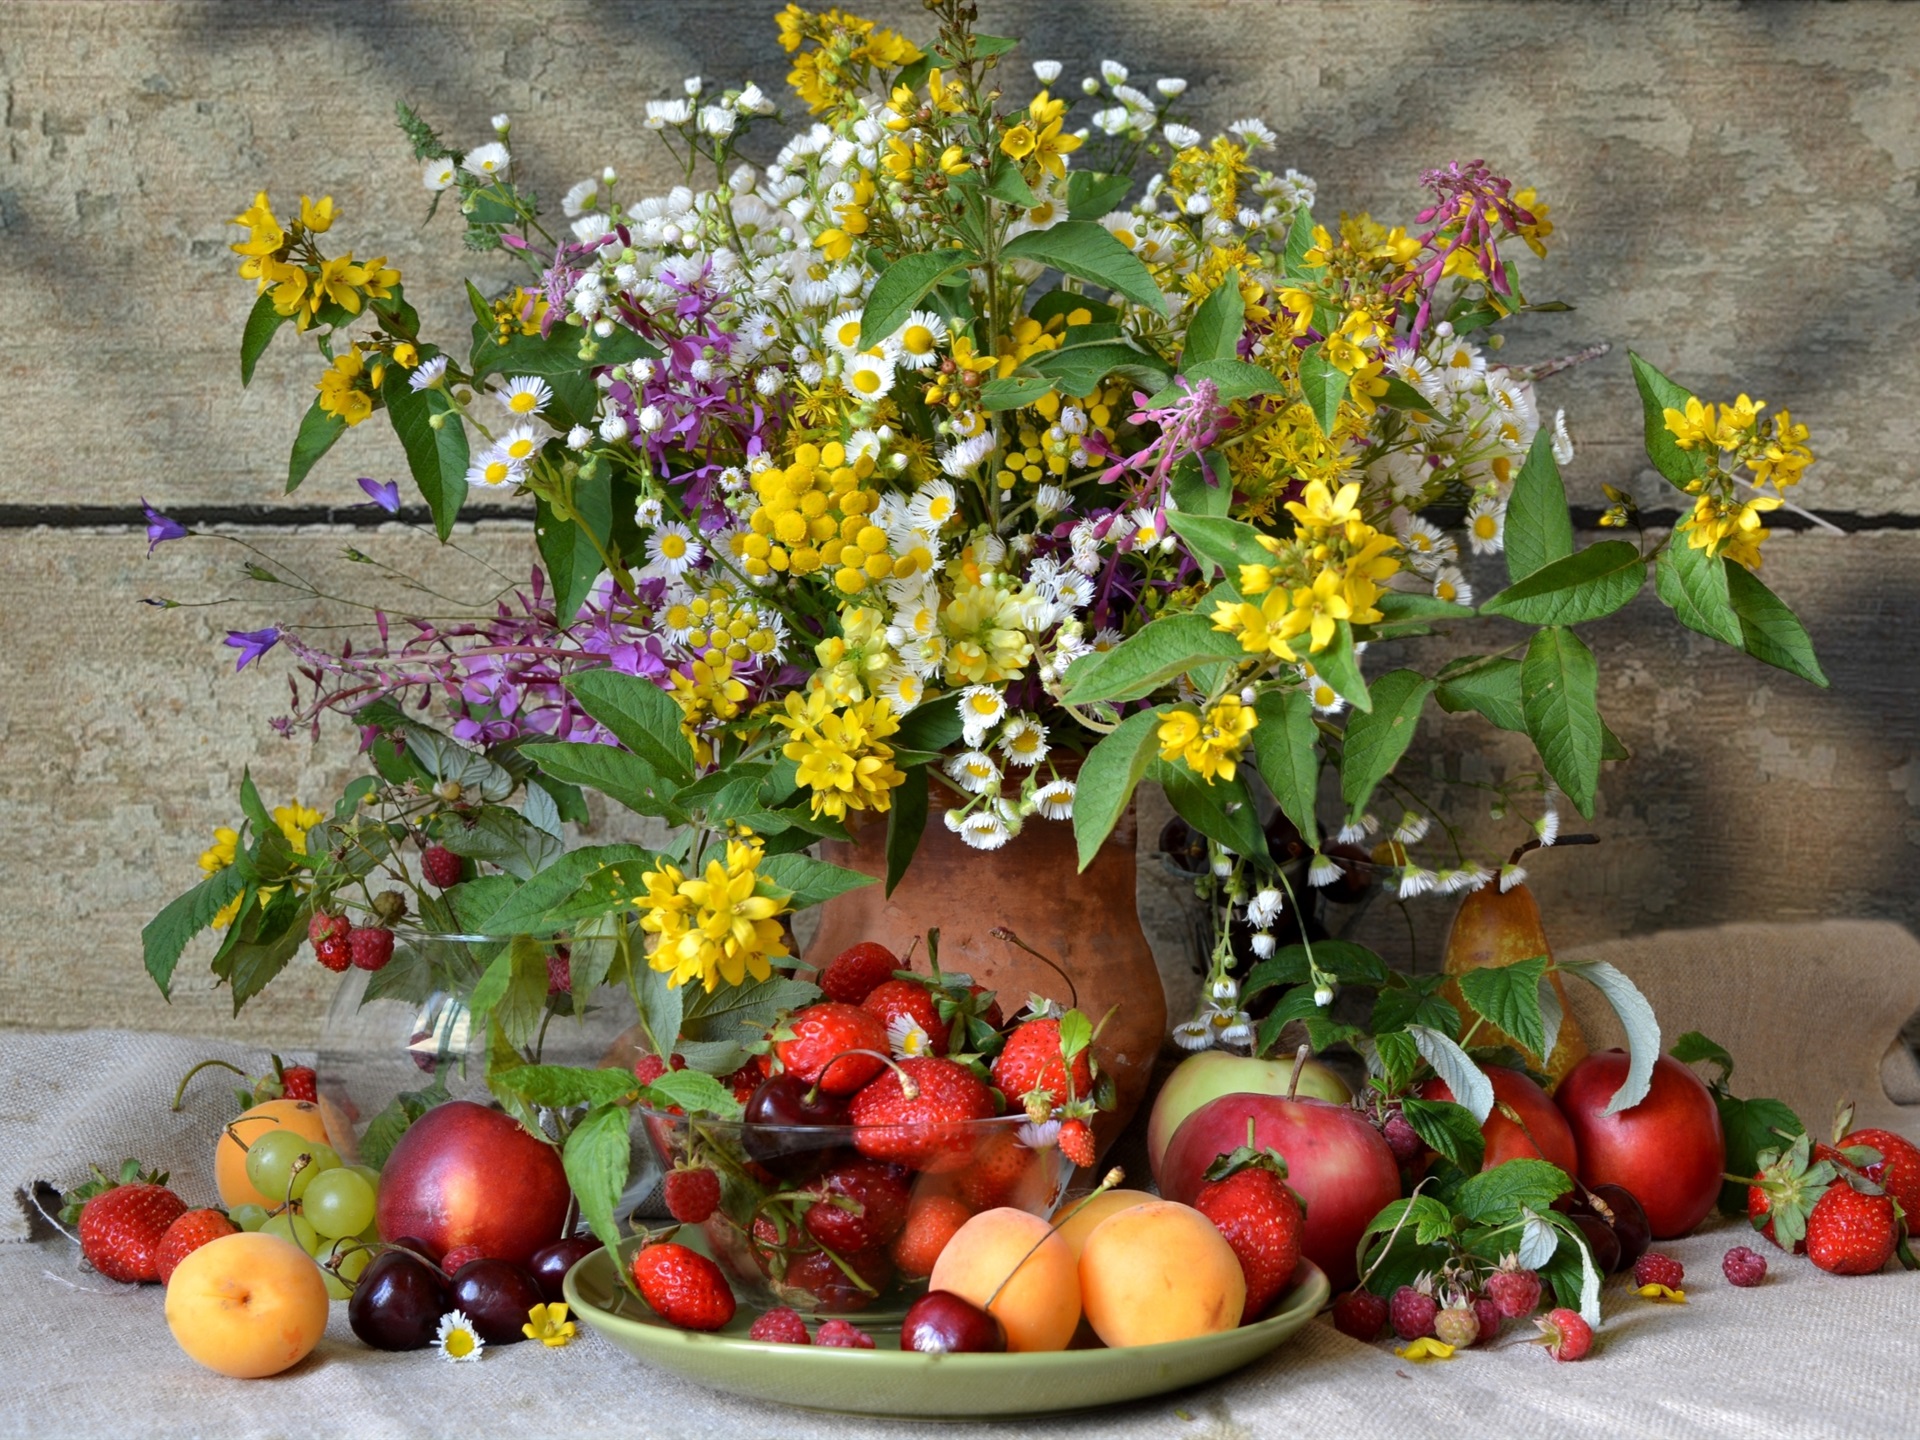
(1744, 1267)
(691, 1195)
(440, 866)
(460, 1256)
(559, 971)
(844, 1334)
(370, 948)
(1654, 1268)
(649, 1068)
(333, 953)
(1516, 1292)
(1490, 1318)
(1361, 1314)
(1456, 1326)
(781, 1325)
(329, 936)
(1412, 1313)
(1408, 1148)
(300, 1083)
(1566, 1335)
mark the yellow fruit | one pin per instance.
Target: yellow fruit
(1040, 1306)
(1489, 930)
(230, 1155)
(247, 1305)
(1158, 1272)
(1079, 1224)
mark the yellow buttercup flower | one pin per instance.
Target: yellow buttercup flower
(1210, 745)
(841, 752)
(1425, 1348)
(295, 821)
(1018, 142)
(549, 1324)
(721, 925)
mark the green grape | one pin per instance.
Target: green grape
(248, 1217)
(292, 1225)
(353, 1260)
(270, 1160)
(320, 1159)
(338, 1202)
(368, 1174)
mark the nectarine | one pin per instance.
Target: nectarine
(302, 1117)
(1158, 1272)
(1040, 1306)
(247, 1305)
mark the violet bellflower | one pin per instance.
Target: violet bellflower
(252, 644)
(385, 494)
(161, 528)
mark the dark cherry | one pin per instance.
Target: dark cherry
(496, 1294)
(417, 1245)
(1601, 1240)
(1629, 1222)
(786, 1100)
(941, 1323)
(550, 1264)
(398, 1303)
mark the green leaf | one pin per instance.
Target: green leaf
(1194, 493)
(1107, 779)
(597, 1159)
(1010, 392)
(526, 911)
(444, 758)
(1222, 810)
(1007, 183)
(558, 1087)
(1399, 1059)
(1338, 666)
(809, 881)
(694, 1091)
(566, 549)
(1079, 365)
(1346, 961)
(1214, 331)
(1559, 686)
(1750, 1127)
(1636, 1018)
(1084, 250)
(1324, 384)
(555, 358)
(164, 937)
(905, 823)
(1571, 1272)
(902, 285)
(1498, 1196)
(1293, 263)
(1658, 394)
(1377, 738)
(1285, 747)
(641, 715)
(1576, 588)
(1466, 1080)
(1076, 1033)
(318, 430)
(617, 774)
(1539, 527)
(1229, 544)
(932, 726)
(723, 1021)
(1692, 1048)
(1412, 1000)
(1508, 998)
(263, 323)
(502, 837)
(436, 458)
(512, 990)
(1447, 1128)
(1143, 662)
(1492, 688)
(1233, 378)
(1693, 584)
(1323, 1033)
(1769, 631)
(1091, 195)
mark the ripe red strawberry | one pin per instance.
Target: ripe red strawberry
(1784, 1192)
(440, 867)
(1000, 1163)
(927, 1129)
(370, 947)
(683, 1287)
(856, 972)
(461, 1256)
(1031, 1061)
(299, 1082)
(1850, 1232)
(1654, 1268)
(844, 1334)
(1899, 1167)
(862, 1205)
(1565, 1334)
(781, 1325)
(692, 1194)
(931, 1223)
(822, 1032)
(1247, 1199)
(892, 999)
(186, 1235)
(122, 1227)
(1361, 1314)
(1514, 1290)
(1412, 1312)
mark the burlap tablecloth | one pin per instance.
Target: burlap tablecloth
(1808, 1010)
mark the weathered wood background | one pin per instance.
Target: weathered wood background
(1735, 187)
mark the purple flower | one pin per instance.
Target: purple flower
(160, 527)
(252, 644)
(385, 494)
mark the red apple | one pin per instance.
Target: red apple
(466, 1175)
(1668, 1150)
(1336, 1162)
(1551, 1139)
(1213, 1073)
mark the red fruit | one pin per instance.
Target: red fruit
(649, 1068)
(1361, 1314)
(458, 1258)
(892, 999)
(1653, 1268)
(1784, 1193)
(1899, 1167)
(440, 866)
(845, 1335)
(993, 1014)
(1247, 1199)
(857, 971)
(1032, 1061)
(299, 1082)
(862, 1205)
(1490, 1319)
(464, 1174)
(1544, 1135)
(1567, 1336)
(691, 1195)
(781, 1325)
(744, 1081)
(1850, 1233)
(928, 1131)
(559, 971)
(828, 1288)
(1000, 1163)
(828, 1030)
(1076, 1143)
(323, 926)
(1668, 1150)
(1412, 1313)
(684, 1287)
(1516, 1292)
(122, 1227)
(370, 948)
(186, 1235)
(1744, 1267)
(335, 954)
(931, 1223)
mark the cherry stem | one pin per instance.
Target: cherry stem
(1112, 1178)
(1299, 1064)
(1000, 932)
(909, 1090)
(180, 1095)
(1535, 844)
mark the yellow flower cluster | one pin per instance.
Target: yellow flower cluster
(348, 386)
(1037, 142)
(841, 752)
(847, 51)
(302, 290)
(1215, 172)
(854, 662)
(813, 515)
(708, 696)
(720, 620)
(294, 821)
(721, 925)
(1210, 744)
(1722, 523)
(984, 622)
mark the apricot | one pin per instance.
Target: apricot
(302, 1117)
(1158, 1272)
(1074, 1226)
(1040, 1306)
(247, 1305)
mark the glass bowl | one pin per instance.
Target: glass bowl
(829, 1218)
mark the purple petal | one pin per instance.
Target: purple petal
(252, 644)
(161, 528)
(385, 494)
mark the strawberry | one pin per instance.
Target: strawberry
(1851, 1232)
(861, 1205)
(1031, 1061)
(186, 1235)
(691, 1194)
(1076, 1143)
(931, 1223)
(1247, 1199)
(299, 1082)
(1000, 1163)
(895, 1001)
(370, 947)
(1565, 1334)
(1899, 1167)
(924, 1126)
(815, 1036)
(816, 1278)
(684, 1287)
(440, 867)
(857, 971)
(329, 936)
(122, 1226)
(1784, 1192)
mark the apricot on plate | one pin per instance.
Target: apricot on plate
(302, 1117)
(1040, 1306)
(1074, 1226)
(247, 1305)
(1159, 1272)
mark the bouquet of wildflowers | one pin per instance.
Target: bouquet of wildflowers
(946, 426)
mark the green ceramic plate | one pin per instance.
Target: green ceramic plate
(888, 1381)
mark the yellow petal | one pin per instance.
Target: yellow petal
(1426, 1348)
(1661, 1292)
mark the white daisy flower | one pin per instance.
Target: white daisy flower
(1023, 740)
(1486, 525)
(1325, 699)
(662, 113)
(920, 338)
(438, 175)
(613, 429)
(521, 444)
(1412, 828)
(984, 830)
(902, 689)
(960, 459)
(1113, 72)
(1415, 881)
(1046, 71)
(1054, 800)
(1353, 832)
(1263, 943)
(579, 438)
(1460, 363)
(1512, 875)
(767, 383)
(1562, 441)
(1322, 871)
(426, 375)
(1451, 586)
(974, 771)
(1050, 500)
(493, 471)
(647, 512)
(456, 1339)
(581, 198)
(1238, 1031)
(907, 1040)
(981, 707)
(1265, 907)
(672, 550)
(1471, 876)
(1254, 132)
(1181, 136)
(759, 331)
(486, 161)
(868, 377)
(1547, 827)
(1193, 1034)
(524, 395)
(1039, 1137)
(932, 506)
(843, 332)
(1426, 543)
(718, 120)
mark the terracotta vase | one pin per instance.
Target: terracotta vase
(1086, 922)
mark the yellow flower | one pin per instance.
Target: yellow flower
(317, 218)
(1699, 425)
(841, 753)
(1661, 1292)
(341, 392)
(1018, 142)
(1211, 745)
(720, 926)
(337, 281)
(1040, 137)
(707, 694)
(1425, 1348)
(549, 1324)
(1781, 459)
(295, 821)
(1729, 528)
(217, 857)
